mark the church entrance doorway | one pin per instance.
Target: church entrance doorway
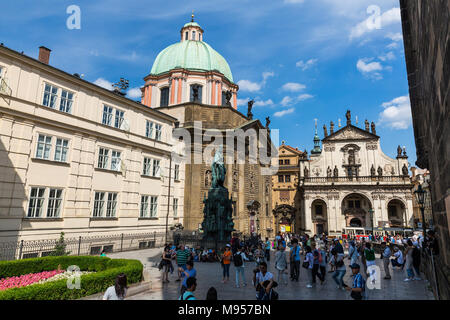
(355, 222)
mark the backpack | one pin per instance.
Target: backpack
(370, 254)
(237, 259)
(187, 297)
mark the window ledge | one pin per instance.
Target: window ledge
(103, 218)
(148, 218)
(177, 180)
(151, 177)
(59, 163)
(108, 170)
(41, 219)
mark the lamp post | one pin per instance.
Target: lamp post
(420, 197)
(371, 212)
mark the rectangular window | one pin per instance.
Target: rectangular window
(61, 150)
(287, 178)
(103, 158)
(44, 146)
(119, 118)
(176, 172)
(111, 205)
(66, 101)
(156, 169)
(351, 204)
(158, 132)
(149, 129)
(36, 202)
(175, 207)
(287, 161)
(54, 203)
(50, 96)
(144, 206)
(99, 203)
(357, 204)
(319, 209)
(164, 101)
(115, 160)
(267, 209)
(147, 166)
(153, 206)
(280, 162)
(280, 178)
(107, 115)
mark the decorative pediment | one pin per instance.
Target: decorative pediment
(351, 132)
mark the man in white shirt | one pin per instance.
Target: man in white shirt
(259, 279)
(386, 254)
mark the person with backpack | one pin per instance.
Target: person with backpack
(238, 260)
(281, 264)
(317, 260)
(294, 258)
(188, 294)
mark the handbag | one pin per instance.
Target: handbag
(305, 264)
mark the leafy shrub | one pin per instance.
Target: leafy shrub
(60, 247)
(106, 270)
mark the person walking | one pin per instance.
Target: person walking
(361, 250)
(119, 290)
(238, 260)
(267, 249)
(323, 264)
(308, 265)
(190, 272)
(416, 262)
(182, 256)
(385, 255)
(353, 253)
(188, 294)
(167, 264)
(259, 256)
(317, 260)
(281, 264)
(369, 256)
(226, 261)
(409, 261)
(294, 258)
(339, 273)
(358, 286)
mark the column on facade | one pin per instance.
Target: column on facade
(213, 92)
(180, 92)
(219, 94)
(235, 100)
(308, 214)
(172, 91)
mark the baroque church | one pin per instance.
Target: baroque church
(192, 82)
(350, 182)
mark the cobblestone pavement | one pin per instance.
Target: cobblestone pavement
(210, 275)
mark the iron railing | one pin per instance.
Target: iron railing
(83, 245)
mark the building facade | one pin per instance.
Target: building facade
(193, 83)
(80, 159)
(286, 200)
(342, 182)
(425, 36)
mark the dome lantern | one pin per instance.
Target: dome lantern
(192, 31)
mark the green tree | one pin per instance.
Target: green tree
(60, 247)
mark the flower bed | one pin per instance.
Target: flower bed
(27, 279)
(98, 274)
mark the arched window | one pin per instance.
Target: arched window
(199, 98)
(164, 97)
(224, 98)
(193, 35)
(186, 35)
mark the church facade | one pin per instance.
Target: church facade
(193, 83)
(350, 182)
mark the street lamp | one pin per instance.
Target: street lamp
(371, 212)
(420, 197)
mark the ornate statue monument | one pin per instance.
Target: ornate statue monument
(217, 222)
(349, 117)
(249, 109)
(228, 96)
(325, 133)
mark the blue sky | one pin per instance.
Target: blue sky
(299, 59)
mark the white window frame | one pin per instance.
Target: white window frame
(156, 168)
(143, 212)
(99, 204)
(116, 160)
(175, 207)
(103, 158)
(107, 115)
(176, 172)
(64, 147)
(66, 102)
(118, 118)
(54, 203)
(147, 166)
(153, 206)
(55, 95)
(149, 129)
(158, 131)
(51, 94)
(36, 203)
(111, 205)
(45, 143)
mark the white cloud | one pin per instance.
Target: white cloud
(388, 56)
(284, 112)
(306, 65)
(303, 97)
(134, 93)
(247, 85)
(396, 113)
(293, 1)
(369, 69)
(261, 103)
(293, 86)
(286, 101)
(104, 83)
(387, 18)
(394, 36)
(393, 45)
(242, 102)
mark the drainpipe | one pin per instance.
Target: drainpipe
(168, 198)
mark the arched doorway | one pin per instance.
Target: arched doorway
(284, 218)
(396, 213)
(319, 216)
(355, 208)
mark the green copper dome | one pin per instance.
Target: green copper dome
(191, 55)
(191, 24)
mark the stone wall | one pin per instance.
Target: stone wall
(426, 40)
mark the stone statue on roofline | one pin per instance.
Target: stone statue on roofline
(228, 96)
(249, 109)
